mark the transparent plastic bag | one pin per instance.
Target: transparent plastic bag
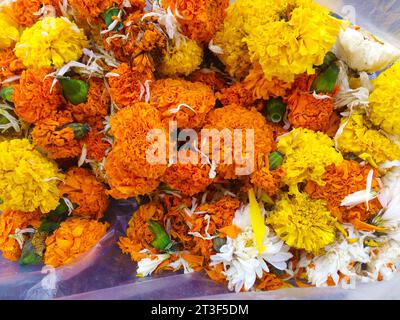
(105, 273)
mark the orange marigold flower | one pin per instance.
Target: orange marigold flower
(305, 111)
(33, 98)
(270, 281)
(188, 178)
(72, 239)
(221, 214)
(24, 11)
(82, 189)
(97, 104)
(269, 181)
(91, 9)
(342, 180)
(262, 88)
(199, 19)
(58, 142)
(210, 78)
(96, 145)
(236, 117)
(130, 128)
(129, 87)
(182, 101)
(9, 222)
(138, 234)
(10, 65)
(236, 94)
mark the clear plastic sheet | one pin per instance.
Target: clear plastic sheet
(105, 273)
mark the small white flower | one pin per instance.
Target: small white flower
(340, 257)
(242, 262)
(147, 266)
(364, 52)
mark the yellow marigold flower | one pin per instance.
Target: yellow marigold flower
(307, 154)
(9, 33)
(73, 238)
(303, 223)
(368, 144)
(297, 37)
(385, 101)
(28, 180)
(51, 42)
(182, 60)
(230, 38)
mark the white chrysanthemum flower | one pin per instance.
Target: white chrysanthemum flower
(343, 257)
(364, 52)
(385, 261)
(146, 266)
(389, 197)
(243, 263)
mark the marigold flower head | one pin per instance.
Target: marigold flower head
(384, 102)
(199, 20)
(340, 181)
(123, 182)
(28, 180)
(72, 239)
(305, 111)
(188, 178)
(303, 223)
(58, 142)
(236, 117)
(182, 60)
(10, 221)
(10, 65)
(368, 144)
(129, 87)
(236, 55)
(130, 128)
(97, 104)
(221, 214)
(183, 101)
(93, 8)
(211, 78)
(82, 189)
(51, 42)
(297, 37)
(138, 234)
(96, 144)
(24, 12)
(9, 33)
(307, 153)
(33, 98)
(268, 181)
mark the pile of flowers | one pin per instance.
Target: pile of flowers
(259, 139)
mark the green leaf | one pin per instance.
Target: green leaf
(108, 18)
(329, 59)
(75, 91)
(275, 109)
(52, 221)
(162, 240)
(275, 160)
(7, 94)
(326, 80)
(29, 256)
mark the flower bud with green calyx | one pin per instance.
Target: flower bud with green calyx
(7, 94)
(162, 240)
(75, 91)
(275, 109)
(80, 129)
(326, 80)
(329, 59)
